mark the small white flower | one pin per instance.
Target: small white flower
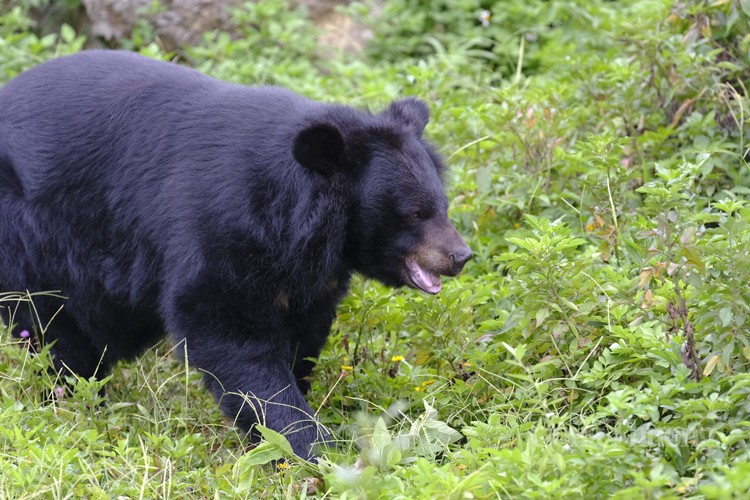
(484, 17)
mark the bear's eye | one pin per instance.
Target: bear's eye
(418, 215)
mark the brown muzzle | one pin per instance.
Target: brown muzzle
(442, 252)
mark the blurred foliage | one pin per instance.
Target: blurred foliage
(596, 346)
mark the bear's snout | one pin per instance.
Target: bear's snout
(443, 252)
(449, 252)
(460, 257)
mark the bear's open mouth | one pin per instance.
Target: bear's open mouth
(421, 278)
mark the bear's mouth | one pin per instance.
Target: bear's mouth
(421, 278)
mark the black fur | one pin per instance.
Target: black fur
(158, 199)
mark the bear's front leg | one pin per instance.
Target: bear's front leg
(254, 384)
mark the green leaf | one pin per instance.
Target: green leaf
(276, 439)
(569, 243)
(525, 243)
(391, 455)
(380, 437)
(568, 303)
(729, 65)
(262, 454)
(245, 475)
(430, 435)
(726, 316)
(517, 352)
(484, 179)
(274, 447)
(541, 315)
(730, 206)
(67, 33)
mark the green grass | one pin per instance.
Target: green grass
(596, 346)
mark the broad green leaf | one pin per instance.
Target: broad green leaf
(67, 33)
(429, 435)
(541, 315)
(380, 437)
(391, 455)
(264, 453)
(726, 316)
(275, 439)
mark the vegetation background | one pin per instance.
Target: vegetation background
(598, 345)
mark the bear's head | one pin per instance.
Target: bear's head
(398, 230)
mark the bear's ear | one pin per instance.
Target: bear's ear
(411, 112)
(320, 147)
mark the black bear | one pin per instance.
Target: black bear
(158, 199)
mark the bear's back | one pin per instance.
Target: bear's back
(69, 117)
(97, 69)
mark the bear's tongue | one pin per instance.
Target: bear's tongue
(424, 279)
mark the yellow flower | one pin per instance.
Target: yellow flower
(427, 382)
(282, 466)
(417, 388)
(346, 368)
(396, 359)
(516, 225)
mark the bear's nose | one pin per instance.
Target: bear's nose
(461, 257)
